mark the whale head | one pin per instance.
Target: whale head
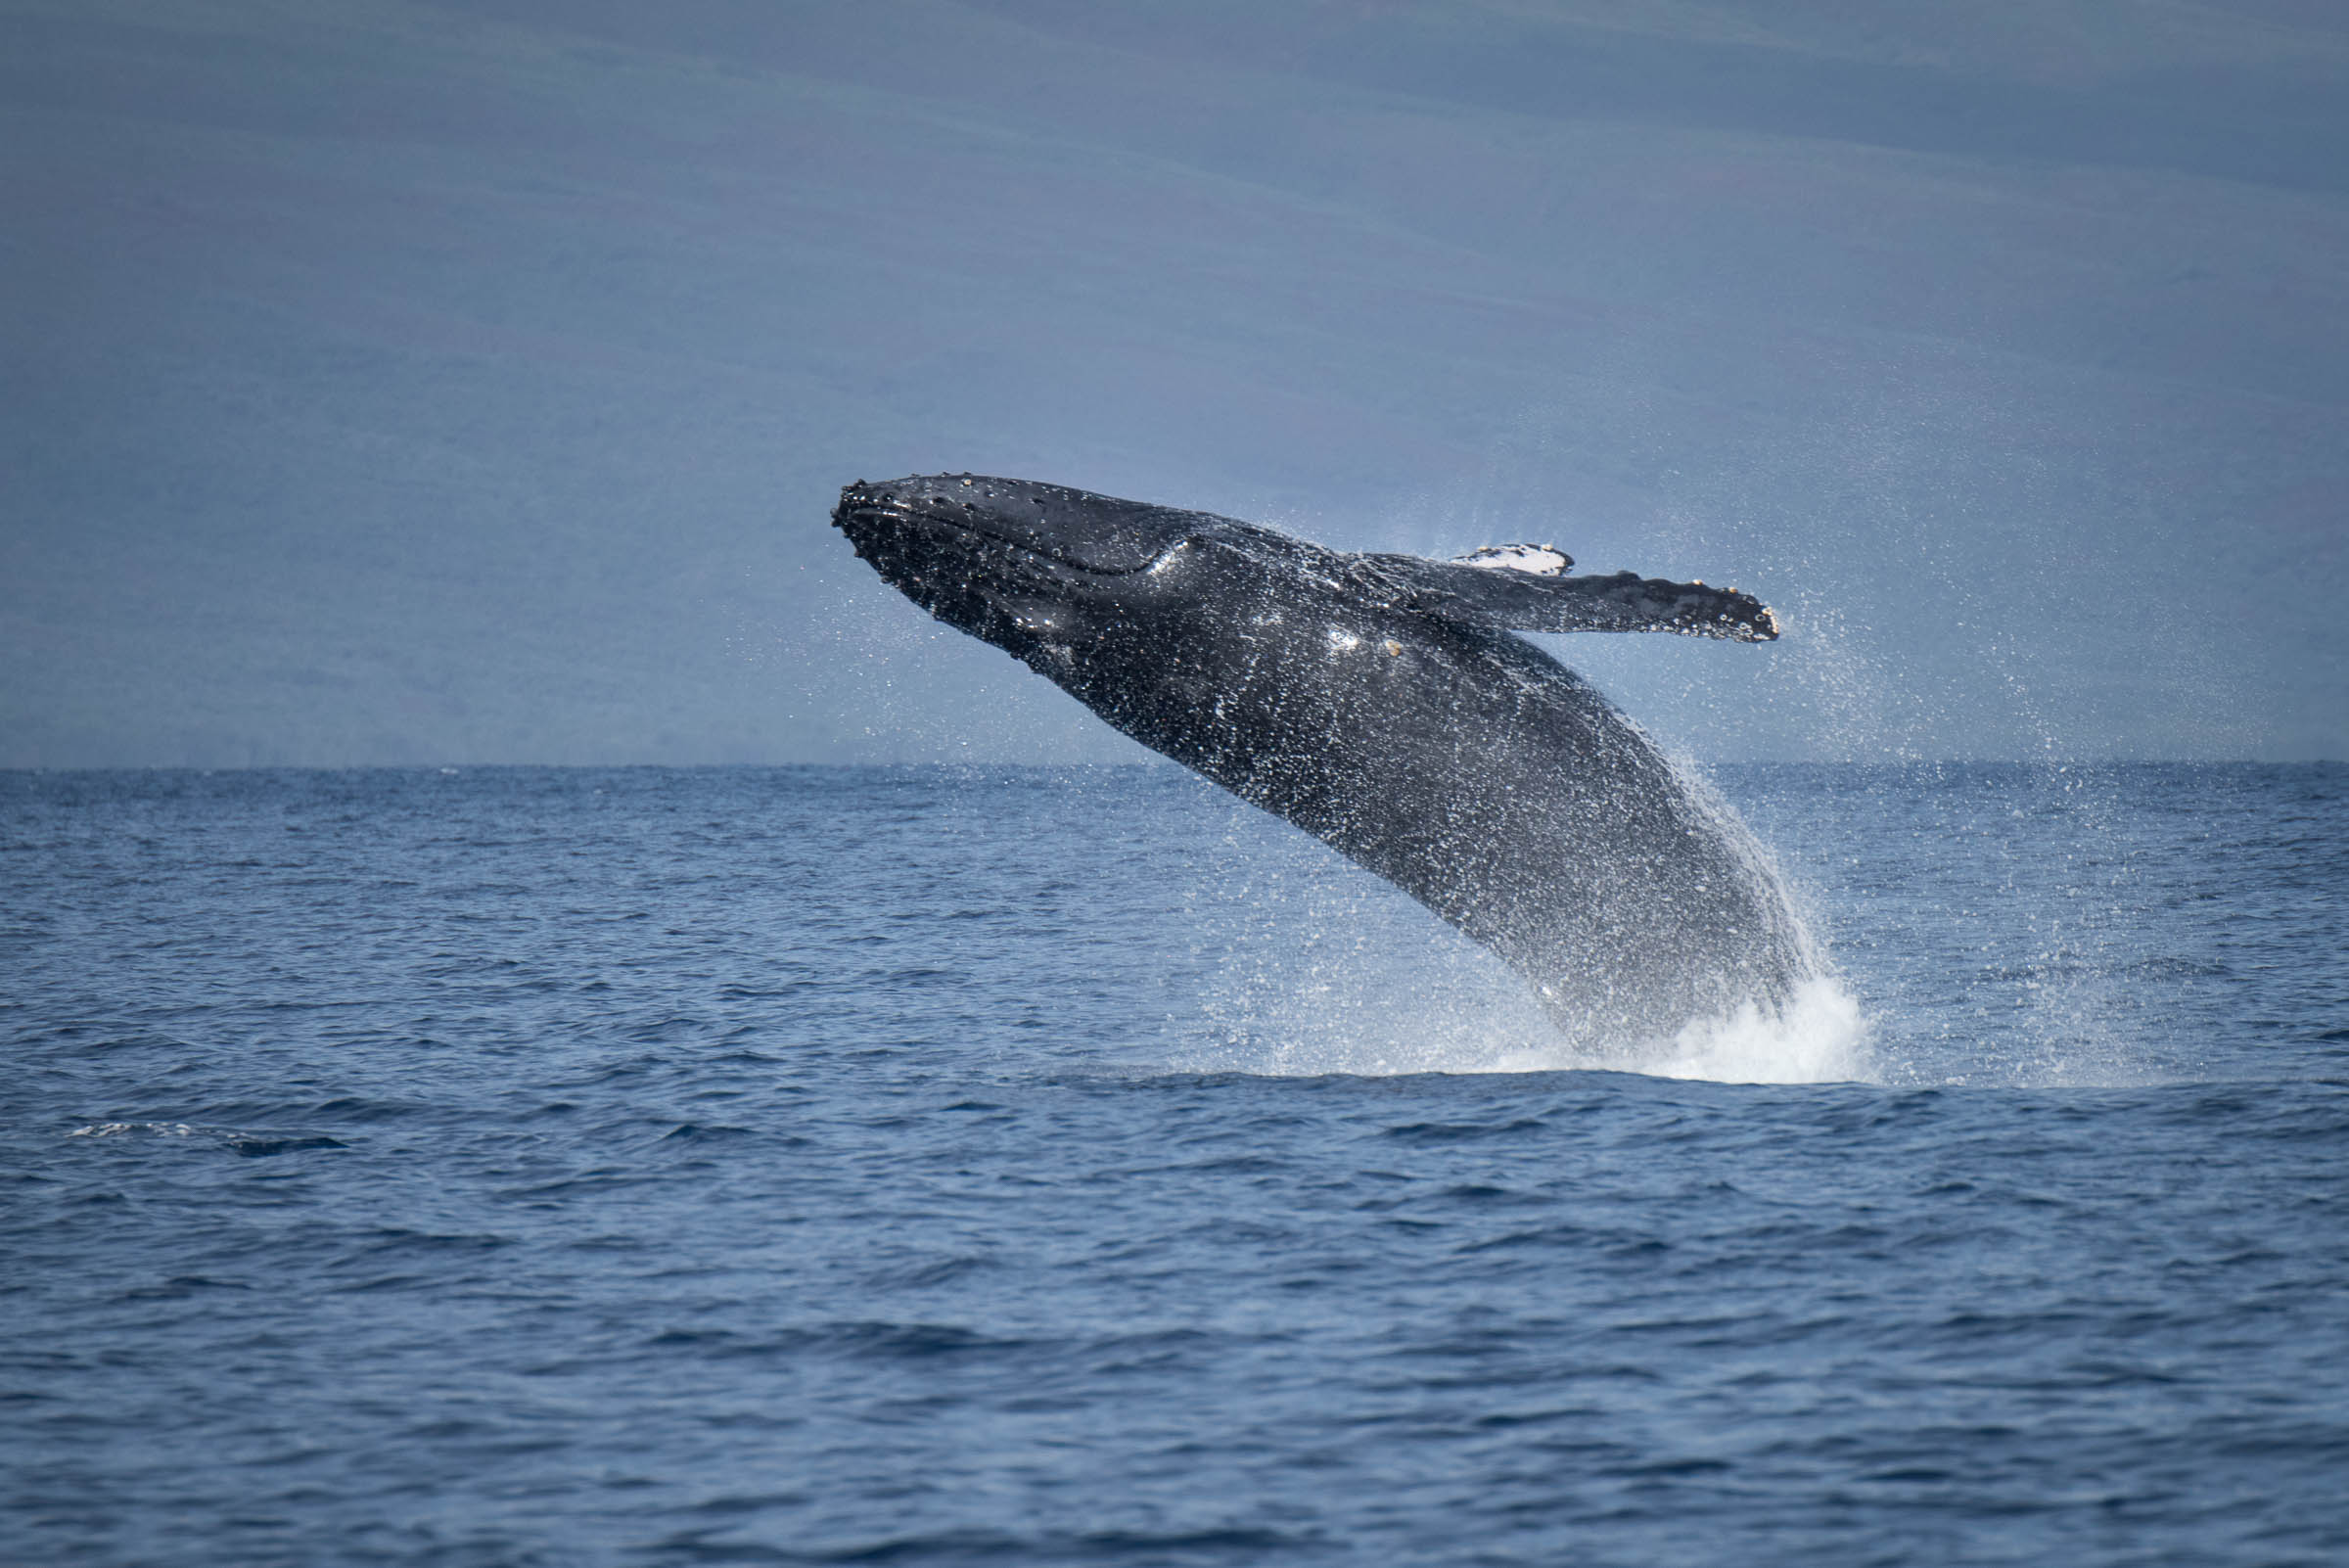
(1015, 563)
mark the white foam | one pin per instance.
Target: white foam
(1821, 1036)
(1468, 1015)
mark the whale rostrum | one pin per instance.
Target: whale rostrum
(1380, 703)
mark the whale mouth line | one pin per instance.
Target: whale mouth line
(944, 527)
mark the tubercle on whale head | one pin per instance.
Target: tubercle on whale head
(1095, 534)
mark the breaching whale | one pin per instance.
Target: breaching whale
(1382, 703)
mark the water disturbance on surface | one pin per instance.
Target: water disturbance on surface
(932, 1166)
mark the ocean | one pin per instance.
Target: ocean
(940, 1166)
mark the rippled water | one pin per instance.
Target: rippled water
(937, 1167)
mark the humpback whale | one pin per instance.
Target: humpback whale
(1383, 704)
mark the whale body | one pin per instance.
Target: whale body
(1383, 704)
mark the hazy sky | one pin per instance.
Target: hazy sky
(389, 382)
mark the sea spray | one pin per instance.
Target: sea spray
(1317, 969)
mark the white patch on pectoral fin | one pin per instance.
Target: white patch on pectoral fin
(1541, 560)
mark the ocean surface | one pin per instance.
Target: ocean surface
(1023, 1166)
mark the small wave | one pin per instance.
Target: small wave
(257, 1146)
(252, 1145)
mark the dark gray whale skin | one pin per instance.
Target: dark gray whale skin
(1381, 704)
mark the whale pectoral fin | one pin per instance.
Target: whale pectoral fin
(1506, 598)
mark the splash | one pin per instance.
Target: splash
(1820, 1036)
(1320, 971)
(1314, 969)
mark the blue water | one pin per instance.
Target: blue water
(931, 1167)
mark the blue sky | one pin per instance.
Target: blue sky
(393, 382)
